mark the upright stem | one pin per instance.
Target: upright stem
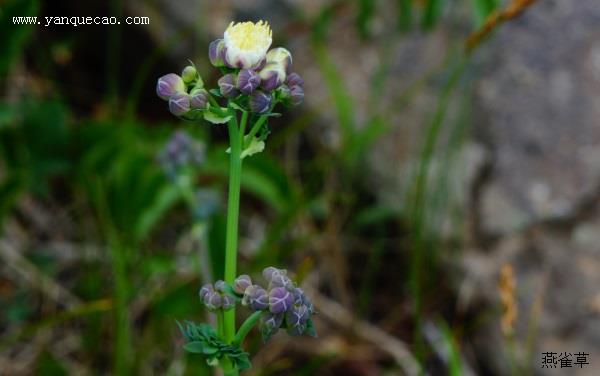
(233, 211)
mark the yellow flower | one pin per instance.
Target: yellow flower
(247, 43)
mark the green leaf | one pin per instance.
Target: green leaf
(211, 117)
(196, 347)
(215, 92)
(256, 146)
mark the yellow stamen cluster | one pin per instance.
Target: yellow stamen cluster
(249, 35)
(507, 288)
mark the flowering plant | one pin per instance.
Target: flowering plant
(254, 80)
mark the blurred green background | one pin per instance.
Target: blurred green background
(375, 192)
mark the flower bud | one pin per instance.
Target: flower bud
(269, 324)
(280, 300)
(260, 102)
(296, 319)
(284, 94)
(280, 56)
(199, 99)
(216, 51)
(227, 86)
(241, 283)
(220, 286)
(294, 79)
(213, 301)
(189, 75)
(280, 280)
(205, 290)
(270, 271)
(169, 85)
(228, 302)
(256, 298)
(179, 104)
(247, 81)
(296, 95)
(272, 75)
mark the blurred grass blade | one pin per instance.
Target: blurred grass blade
(431, 13)
(13, 37)
(366, 8)
(405, 14)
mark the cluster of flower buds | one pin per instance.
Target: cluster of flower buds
(217, 296)
(186, 94)
(252, 70)
(284, 304)
(180, 151)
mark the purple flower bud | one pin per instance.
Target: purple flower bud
(260, 102)
(205, 290)
(169, 85)
(272, 75)
(199, 99)
(296, 95)
(216, 52)
(213, 301)
(298, 295)
(294, 79)
(269, 324)
(247, 81)
(296, 319)
(280, 300)
(227, 86)
(228, 302)
(241, 283)
(220, 286)
(189, 74)
(280, 280)
(179, 104)
(270, 271)
(256, 297)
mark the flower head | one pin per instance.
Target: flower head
(246, 43)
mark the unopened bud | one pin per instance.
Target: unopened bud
(216, 51)
(189, 75)
(281, 56)
(260, 102)
(199, 99)
(179, 104)
(247, 81)
(272, 75)
(227, 86)
(169, 85)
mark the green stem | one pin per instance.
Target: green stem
(246, 327)
(261, 120)
(243, 126)
(233, 212)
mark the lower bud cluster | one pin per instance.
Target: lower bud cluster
(284, 305)
(184, 93)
